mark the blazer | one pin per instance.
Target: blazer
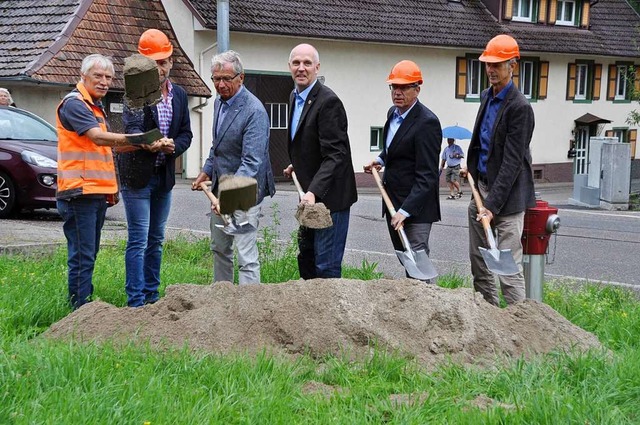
(411, 164)
(509, 171)
(320, 152)
(136, 168)
(241, 147)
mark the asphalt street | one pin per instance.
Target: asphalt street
(591, 244)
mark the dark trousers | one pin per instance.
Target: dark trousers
(321, 250)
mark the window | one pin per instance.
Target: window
(566, 12)
(376, 139)
(523, 10)
(625, 135)
(471, 78)
(526, 78)
(278, 115)
(531, 76)
(624, 82)
(583, 81)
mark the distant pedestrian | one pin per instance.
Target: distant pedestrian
(451, 158)
(321, 158)
(5, 98)
(499, 159)
(87, 182)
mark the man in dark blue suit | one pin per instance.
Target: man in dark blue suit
(412, 136)
(499, 159)
(240, 148)
(147, 176)
(321, 158)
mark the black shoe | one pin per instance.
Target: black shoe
(459, 195)
(451, 197)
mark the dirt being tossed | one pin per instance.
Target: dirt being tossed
(333, 316)
(141, 81)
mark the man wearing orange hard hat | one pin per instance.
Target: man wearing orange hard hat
(499, 159)
(147, 176)
(412, 137)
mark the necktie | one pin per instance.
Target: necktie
(221, 114)
(297, 112)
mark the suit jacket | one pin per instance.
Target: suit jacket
(320, 151)
(411, 164)
(241, 147)
(509, 162)
(136, 168)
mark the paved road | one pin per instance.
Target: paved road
(590, 244)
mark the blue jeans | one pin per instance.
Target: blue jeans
(83, 219)
(147, 210)
(321, 250)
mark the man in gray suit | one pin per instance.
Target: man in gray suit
(241, 148)
(499, 160)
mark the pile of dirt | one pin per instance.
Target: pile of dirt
(333, 316)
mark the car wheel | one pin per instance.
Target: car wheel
(7, 196)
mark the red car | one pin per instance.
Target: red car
(28, 167)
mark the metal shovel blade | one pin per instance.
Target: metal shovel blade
(232, 227)
(499, 261)
(417, 264)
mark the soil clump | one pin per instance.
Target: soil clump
(333, 317)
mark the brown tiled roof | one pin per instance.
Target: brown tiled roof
(467, 24)
(46, 43)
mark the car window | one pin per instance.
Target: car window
(17, 125)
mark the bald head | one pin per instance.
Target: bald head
(304, 64)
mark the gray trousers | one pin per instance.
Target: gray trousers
(509, 231)
(246, 246)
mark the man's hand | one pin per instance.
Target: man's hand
(202, 177)
(397, 221)
(373, 164)
(309, 198)
(483, 212)
(463, 173)
(287, 171)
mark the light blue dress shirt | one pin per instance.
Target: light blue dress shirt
(300, 99)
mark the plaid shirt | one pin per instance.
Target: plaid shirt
(165, 114)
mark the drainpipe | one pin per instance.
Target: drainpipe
(203, 132)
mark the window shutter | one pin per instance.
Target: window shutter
(571, 81)
(542, 11)
(597, 77)
(584, 19)
(611, 82)
(461, 78)
(553, 6)
(636, 82)
(516, 75)
(633, 135)
(508, 9)
(543, 79)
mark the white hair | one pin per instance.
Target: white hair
(98, 61)
(230, 56)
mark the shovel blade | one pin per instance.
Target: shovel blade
(236, 229)
(417, 264)
(499, 261)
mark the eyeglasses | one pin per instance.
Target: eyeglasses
(402, 87)
(226, 79)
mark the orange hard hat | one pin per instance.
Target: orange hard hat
(405, 72)
(500, 48)
(155, 44)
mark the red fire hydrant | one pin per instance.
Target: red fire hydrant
(539, 223)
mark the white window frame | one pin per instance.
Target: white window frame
(518, 14)
(527, 76)
(376, 141)
(621, 82)
(278, 115)
(474, 78)
(582, 81)
(621, 134)
(561, 10)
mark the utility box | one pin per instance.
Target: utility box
(615, 176)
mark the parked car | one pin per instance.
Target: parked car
(28, 167)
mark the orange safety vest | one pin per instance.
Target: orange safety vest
(84, 168)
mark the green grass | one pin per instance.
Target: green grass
(54, 382)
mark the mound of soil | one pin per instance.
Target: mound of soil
(332, 316)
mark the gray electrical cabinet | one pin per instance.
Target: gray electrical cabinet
(615, 174)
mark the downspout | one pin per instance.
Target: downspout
(198, 108)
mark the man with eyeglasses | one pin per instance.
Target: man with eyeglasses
(412, 136)
(147, 176)
(241, 148)
(321, 158)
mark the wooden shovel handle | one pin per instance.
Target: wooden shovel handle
(386, 198)
(211, 196)
(484, 219)
(297, 183)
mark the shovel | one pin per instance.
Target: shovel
(498, 261)
(230, 226)
(416, 263)
(313, 216)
